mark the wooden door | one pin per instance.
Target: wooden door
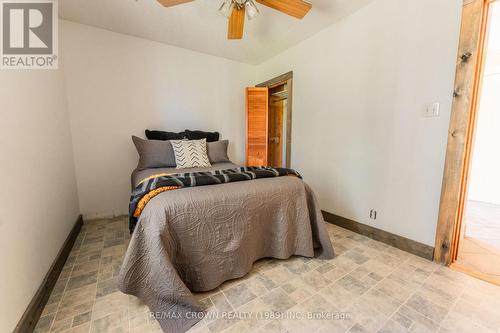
(257, 100)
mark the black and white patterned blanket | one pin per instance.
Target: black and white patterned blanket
(154, 185)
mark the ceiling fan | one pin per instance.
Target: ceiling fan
(235, 10)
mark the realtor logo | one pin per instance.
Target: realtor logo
(29, 34)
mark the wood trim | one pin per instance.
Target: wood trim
(471, 129)
(30, 317)
(283, 78)
(402, 243)
(289, 113)
(460, 133)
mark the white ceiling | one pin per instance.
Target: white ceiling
(198, 26)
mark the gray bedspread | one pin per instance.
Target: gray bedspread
(194, 239)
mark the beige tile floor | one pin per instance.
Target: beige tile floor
(378, 289)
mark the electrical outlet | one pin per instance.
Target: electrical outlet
(373, 214)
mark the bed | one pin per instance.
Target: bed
(193, 239)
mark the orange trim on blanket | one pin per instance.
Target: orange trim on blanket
(145, 199)
(155, 176)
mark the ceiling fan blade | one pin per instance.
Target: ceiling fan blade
(236, 23)
(171, 3)
(295, 8)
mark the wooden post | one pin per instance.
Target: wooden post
(460, 134)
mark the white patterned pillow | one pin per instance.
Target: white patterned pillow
(190, 154)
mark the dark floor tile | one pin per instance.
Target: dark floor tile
(107, 287)
(82, 280)
(44, 324)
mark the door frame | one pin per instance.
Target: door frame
(282, 79)
(468, 80)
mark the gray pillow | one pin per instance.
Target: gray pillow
(154, 154)
(217, 151)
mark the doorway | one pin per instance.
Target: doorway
(479, 245)
(269, 122)
(468, 233)
(279, 120)
(278, 97)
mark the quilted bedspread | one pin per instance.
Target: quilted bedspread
(194, 239)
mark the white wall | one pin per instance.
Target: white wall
(119, 85)
(38, 195)
(485, 179)
(360, 87)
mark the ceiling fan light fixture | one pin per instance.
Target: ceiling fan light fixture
(251, 9)
(226, 8)
(236, 10)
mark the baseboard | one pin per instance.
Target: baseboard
(30, 317)
(402, 243)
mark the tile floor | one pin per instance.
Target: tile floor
(376, 287)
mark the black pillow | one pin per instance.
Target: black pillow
(198, 135)
(164, 136)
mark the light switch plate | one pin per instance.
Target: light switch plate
(432, 110)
